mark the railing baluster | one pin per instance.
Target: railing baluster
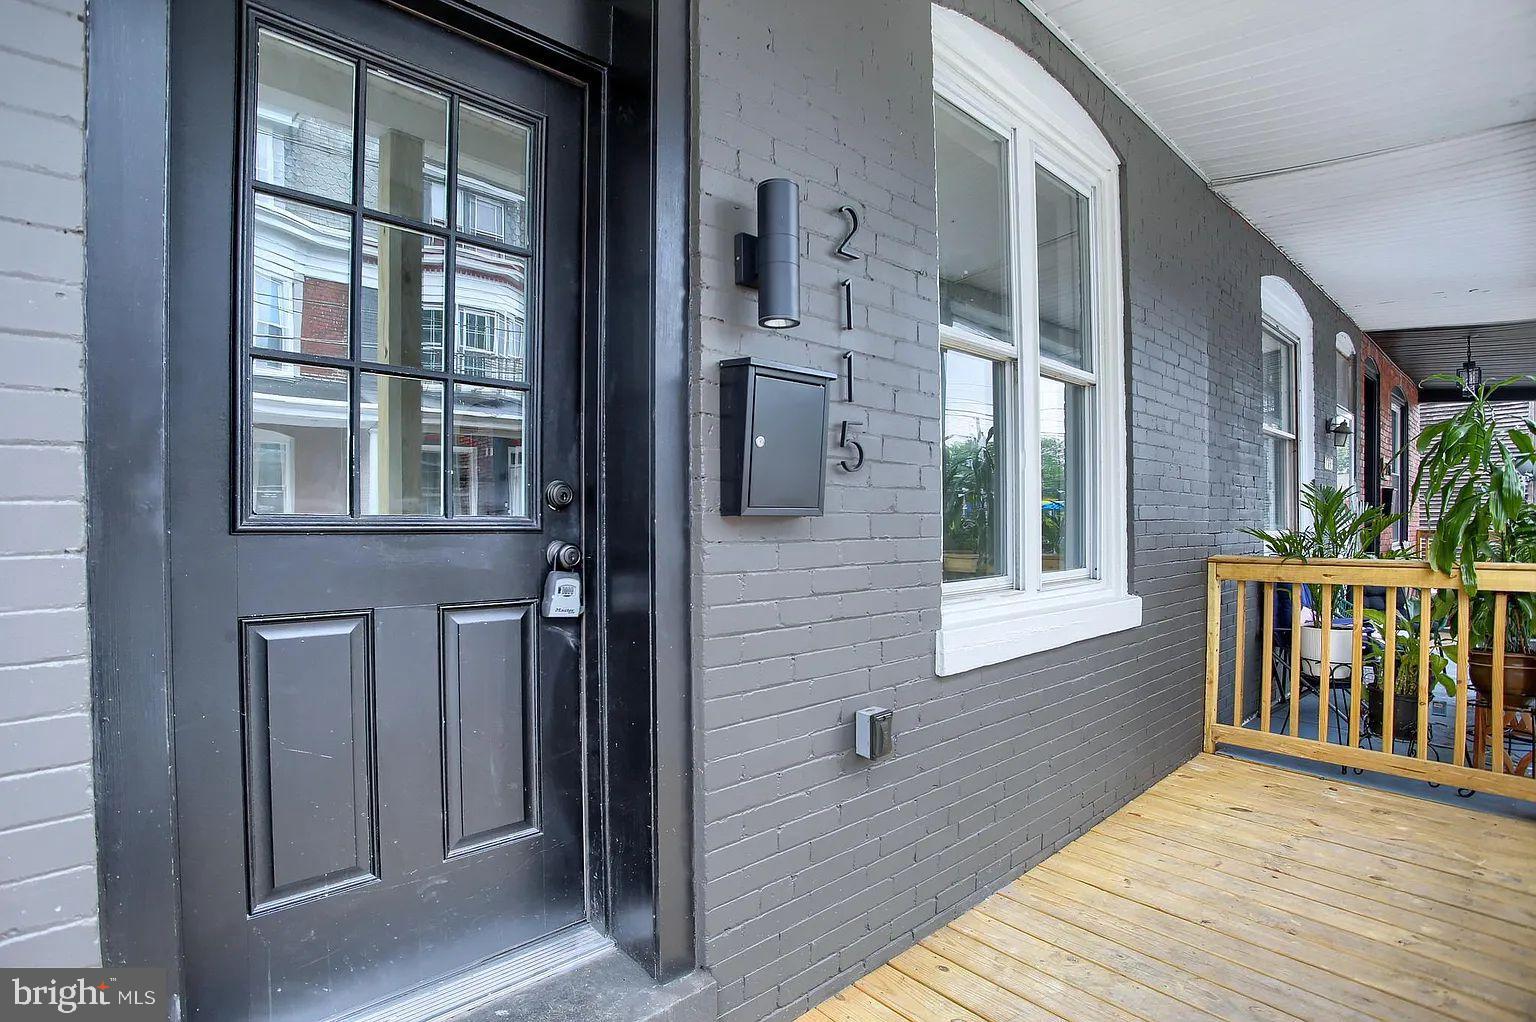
(1356, 667)
(1463, 674)
(1500, 628)
(1240, 651)
(1421, 736)
(1389, 675)
(1212, 651)
(1267, 665)
(1295, 700)
(1325, 667)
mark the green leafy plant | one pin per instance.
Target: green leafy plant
(971, 498)
(1335, 531)
(1478, 473)
(1406, 622)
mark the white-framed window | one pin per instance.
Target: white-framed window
(482, 215)
(1278, 489)
(1288, 427)
(1344, 440)
(271, 473)
(1033, 431)
(477, 332)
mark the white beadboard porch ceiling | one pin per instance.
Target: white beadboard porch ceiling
(1387, 146)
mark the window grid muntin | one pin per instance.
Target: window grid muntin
(450, 235)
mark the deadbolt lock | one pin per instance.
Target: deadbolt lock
(559, 494)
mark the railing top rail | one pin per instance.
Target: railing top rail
(1492, 575)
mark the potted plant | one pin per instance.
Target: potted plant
(1479, 475)
(970, 506)
(1406, 621)
(1334, 530)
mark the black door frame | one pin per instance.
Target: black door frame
(1370, 417)
(640, 755)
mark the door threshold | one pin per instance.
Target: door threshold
(493, 980)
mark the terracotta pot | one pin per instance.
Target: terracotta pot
(1519, 677)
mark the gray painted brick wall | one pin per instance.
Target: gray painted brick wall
(47, 832)
(816, 867)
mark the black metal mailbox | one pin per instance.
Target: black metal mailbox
(773, 438)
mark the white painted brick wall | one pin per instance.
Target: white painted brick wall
(47, 832)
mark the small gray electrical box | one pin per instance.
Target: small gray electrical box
(872, 737)
(773, 438)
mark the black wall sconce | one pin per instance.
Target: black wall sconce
(770, 260)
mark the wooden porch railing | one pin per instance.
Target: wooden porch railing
(1488, 769)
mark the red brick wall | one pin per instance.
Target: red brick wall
(1392, 379)
(323, 326)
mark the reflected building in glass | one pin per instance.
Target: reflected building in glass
(433, 439)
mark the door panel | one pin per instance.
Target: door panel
(378, 740)
(487, 661)
(309, 762)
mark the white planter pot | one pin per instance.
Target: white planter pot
(1340, 645)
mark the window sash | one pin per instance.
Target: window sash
(1021, 451)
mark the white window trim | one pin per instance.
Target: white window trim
(992, 80)
(1281, 303)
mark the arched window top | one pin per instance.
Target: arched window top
(966, 48)
(1283, 305)
(1345, 344)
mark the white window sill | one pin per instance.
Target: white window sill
(992, 628)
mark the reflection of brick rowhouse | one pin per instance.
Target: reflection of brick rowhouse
(324, 324)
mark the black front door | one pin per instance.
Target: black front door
(375, 371)
(1372, 440)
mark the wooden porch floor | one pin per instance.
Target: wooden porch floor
(1234, 890)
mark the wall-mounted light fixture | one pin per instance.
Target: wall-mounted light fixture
(1341, 428)
(770, 260)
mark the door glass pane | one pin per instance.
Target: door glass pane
(493, 176)
(1061, 243)
(402, 422)
(489, 452)
(491, 294)
(974, 527)
(300, 278)
(407, 147)
(304, 411)
(1066, 476)
(1279, 368)
(402, 297)
(973, 224)
(303, 118)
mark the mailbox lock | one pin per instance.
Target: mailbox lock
(559, 494)
(761, 440)
(562, 556)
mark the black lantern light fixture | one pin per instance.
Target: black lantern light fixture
(770, 260)
(1470, 374)
(1340, 428)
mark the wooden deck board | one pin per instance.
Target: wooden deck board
(1234, 891)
